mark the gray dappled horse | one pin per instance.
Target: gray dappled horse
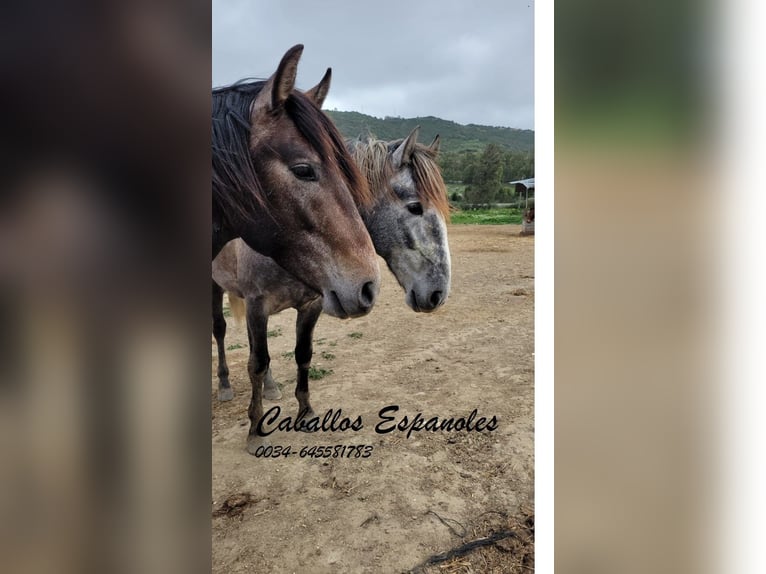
(284, 181)
(407, 225)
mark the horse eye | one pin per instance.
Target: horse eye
(304, 171)
(415, 208)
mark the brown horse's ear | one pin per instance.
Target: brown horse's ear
(279, 86)
(403, 154)
(436, 144)
(319, 92)
(284, 78)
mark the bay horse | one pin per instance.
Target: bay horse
(407, 224)
(285, 183)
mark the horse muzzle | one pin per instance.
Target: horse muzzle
(426, 302)
(350, 303)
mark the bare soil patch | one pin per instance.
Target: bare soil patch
(413, 498)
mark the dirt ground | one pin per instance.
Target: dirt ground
(415, 497)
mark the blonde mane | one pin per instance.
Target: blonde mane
(373, 159)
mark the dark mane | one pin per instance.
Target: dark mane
(236, 187)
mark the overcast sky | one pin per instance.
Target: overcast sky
(469, 62)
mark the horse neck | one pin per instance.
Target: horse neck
(221, 231)
(256, 232)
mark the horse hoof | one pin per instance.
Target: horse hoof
(272, 393)
(254, 442)
(225, 394)
(302, 424)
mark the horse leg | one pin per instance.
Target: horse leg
(225, 392)
(270, 388)
(304, 337)
(257, 367)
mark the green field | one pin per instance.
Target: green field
(498, 216)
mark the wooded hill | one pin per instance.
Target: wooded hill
(455, 137)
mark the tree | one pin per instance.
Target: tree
(451, 167)
(486, 176)
(467, 166)
(518, 165)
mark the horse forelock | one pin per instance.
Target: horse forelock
(374, 159)
(319, 130)
(429, 181)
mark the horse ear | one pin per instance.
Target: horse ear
(284, 78)
(403, 154)
(319, 92)
(278, 87)
(436, 144)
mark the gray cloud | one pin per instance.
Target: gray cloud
(469, 62)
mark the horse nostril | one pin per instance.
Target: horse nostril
(436, 298)
(367, 296)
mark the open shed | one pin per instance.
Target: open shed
(525, 188)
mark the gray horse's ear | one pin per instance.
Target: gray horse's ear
(436, 144)
(403, 154)
(278, 87)
(319, 92)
